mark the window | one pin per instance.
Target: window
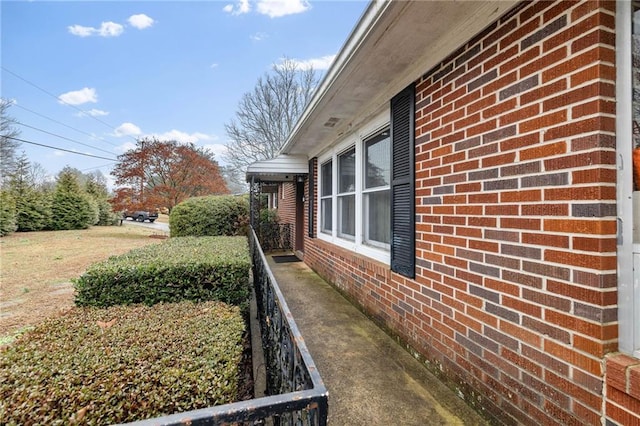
(628, 182)
(377, 165)
(326, 197)
(355, 180)
(347, 194)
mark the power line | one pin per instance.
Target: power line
(63, 124)
(95, 168)
(61, 137)
(59, 149)
(60, 100)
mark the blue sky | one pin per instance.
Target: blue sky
(174, 70)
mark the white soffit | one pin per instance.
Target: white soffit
(393, 44)
(283, 168)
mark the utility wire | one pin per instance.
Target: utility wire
(59, 149)
(62, 124)
(62, 137)
(60, 100)
(95, 168)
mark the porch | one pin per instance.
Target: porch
(371, 379)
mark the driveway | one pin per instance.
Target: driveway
(164, 227)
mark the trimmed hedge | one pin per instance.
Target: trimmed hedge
(185, 268)
(210, 215)
(120, 364)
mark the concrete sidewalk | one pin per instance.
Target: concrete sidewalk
(371, 379)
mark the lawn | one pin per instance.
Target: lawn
(36, 269)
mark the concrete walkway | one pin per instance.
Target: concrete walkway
(371, 379)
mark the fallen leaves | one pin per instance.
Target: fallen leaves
(108, 324)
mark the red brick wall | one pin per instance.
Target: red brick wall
(287, 205)
(623, 389)
(514, 300)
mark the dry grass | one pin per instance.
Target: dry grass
(37, 267)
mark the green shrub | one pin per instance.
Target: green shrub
(71, 211)
(106, 216)
(185, 268)
(116, 365)
(210, 215)
(33, 211)
(7, 214)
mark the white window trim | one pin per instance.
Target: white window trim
(357, 245)
(372, 190)
(628, 253)
(321, 197)
(354, 193)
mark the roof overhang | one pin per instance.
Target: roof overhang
(393, 44)
(283, 168)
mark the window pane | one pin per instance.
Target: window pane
(378, 160)
(347, 216)
(326, 189)
(347, 171)
(377, 217)
(326, 224)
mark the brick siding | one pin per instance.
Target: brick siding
(514, 301)
(287, 204)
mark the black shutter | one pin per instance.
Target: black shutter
(312, 196)
(403, 241)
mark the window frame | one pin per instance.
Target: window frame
(347, 194)
(628, 252)
(375, 138)
(355, 140)
(325, 197)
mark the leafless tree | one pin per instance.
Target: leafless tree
(266, 115)
(8, 145)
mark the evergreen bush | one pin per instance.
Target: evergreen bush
(185, 268)
(210, 216)
(106, 216)
(71, 206)
(7, 214)
(121, 364)
(33, 211)
(71, 211)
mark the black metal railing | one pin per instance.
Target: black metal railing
(296, 394)
(274, 236)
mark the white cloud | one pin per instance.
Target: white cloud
(79, 97)
(278, 8)
(212, 66)
(126, 147)
(127, 129)
(140, 21)
(110, 29)
(182, 137)
(81, 31)
(271, 8)
(241, 7)
(321, 63)
(93, 113)
(258, 36)
(107, 29)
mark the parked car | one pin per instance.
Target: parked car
(140, 215)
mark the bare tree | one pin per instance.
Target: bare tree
(8, 145)
(266, 115)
